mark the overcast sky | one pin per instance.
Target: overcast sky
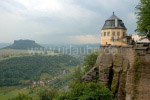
(61, 21)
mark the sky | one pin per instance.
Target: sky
(61, 21)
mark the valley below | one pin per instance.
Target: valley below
(24, 73)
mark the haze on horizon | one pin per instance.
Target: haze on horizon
(61, 21)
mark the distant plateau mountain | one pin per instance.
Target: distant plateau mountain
(24, 45)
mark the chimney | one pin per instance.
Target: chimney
(116, 22)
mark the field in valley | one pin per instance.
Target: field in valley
(9, 92)
(5, 53)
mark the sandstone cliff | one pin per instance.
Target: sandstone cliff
(124, 70)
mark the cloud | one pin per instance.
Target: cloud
(137, 38)
(84, 39)
(59, 19)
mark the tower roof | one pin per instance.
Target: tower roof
(113, 17)
(114, 22)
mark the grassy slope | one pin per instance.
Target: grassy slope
(14, 93)
(9, 92)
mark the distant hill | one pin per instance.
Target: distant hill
(2, 45)
(24, 45)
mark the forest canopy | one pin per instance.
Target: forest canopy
(16, 69)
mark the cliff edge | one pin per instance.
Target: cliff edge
(124, 70)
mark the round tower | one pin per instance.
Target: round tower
(114, 32)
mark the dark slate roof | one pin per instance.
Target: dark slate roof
(110, 23)
(113, 17)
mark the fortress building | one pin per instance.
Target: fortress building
(122, 64)
(114, 32)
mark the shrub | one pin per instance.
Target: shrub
(86, 91)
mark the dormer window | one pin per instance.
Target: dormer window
(116, 22)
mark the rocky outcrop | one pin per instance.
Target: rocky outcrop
(124, 70)
(91, 76)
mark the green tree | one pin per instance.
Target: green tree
(77, 75)
(143, 16)
(89, 61)
(47, 94)
(22, 97)
(86, 91)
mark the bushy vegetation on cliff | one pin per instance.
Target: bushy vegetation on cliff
(86, 91)
(89, 61)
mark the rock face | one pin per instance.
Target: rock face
(125, 71)
(91, 75)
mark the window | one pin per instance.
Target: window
(113, 33)
(108, 33)
(123, 33)
(104, 33)
(118, 33)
